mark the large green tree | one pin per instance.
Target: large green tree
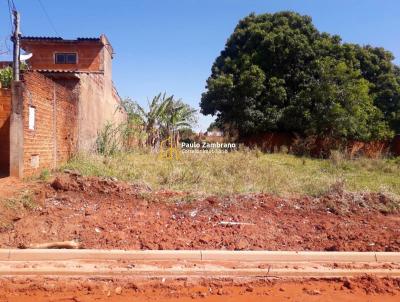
(279, 73)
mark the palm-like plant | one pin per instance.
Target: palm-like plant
(178, 116)
(165, 117)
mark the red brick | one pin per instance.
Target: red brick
(55, 125)
(5, 110)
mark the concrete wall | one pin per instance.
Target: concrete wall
(5, 111)
(98, 104)
(54, 138)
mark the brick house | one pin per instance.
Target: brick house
(64, 98)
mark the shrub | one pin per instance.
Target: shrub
(109, 140)
(6, 76)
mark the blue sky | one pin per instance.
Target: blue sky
(170, 45)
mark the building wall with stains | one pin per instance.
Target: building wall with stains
(99, 104)
(98, 101)
(59, 109)
(49, 121)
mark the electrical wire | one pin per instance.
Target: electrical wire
(10, 12)
(6, 47)
(48, 17)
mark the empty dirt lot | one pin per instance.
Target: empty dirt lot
(107, 214)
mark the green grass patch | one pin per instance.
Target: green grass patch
(24, 199)
(245, 172)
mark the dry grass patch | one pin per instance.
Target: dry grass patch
(245, 172)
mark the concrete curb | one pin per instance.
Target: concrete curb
(288, 256)
(388, 257)
(152, 263)
(210, 273)
(210, 255)
(59, 255)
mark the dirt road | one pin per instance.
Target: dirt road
(58, 289)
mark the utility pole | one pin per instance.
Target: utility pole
(17, 106)
(16, 49)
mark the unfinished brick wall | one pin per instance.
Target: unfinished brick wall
(319, 147)
(54, 137)
(89, 54)
(5, 110)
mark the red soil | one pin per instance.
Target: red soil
(112, 215)
(216, 290)
(9, 188)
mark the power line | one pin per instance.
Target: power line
(48, 17)
(10, 12)
(13, 4)
(6, 49)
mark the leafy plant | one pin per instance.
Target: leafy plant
(108, 140)
(6, 75)
(45, 175)
(178, 117)
(24, 199)
(165, 117)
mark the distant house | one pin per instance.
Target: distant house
(65, 97)
(215, 133)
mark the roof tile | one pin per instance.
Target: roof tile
(57, 39)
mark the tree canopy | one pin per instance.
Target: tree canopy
(279, 73)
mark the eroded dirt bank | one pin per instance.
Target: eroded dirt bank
(106, 214)
(215, 290)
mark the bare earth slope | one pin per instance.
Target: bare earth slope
(107, 214)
